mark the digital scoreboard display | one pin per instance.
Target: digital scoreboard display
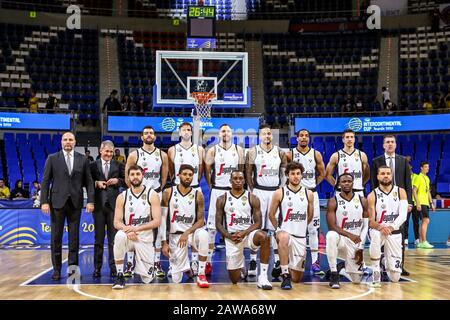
(201, 27)
(201, 12)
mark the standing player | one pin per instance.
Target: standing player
(296, 205)
(238, 219)
(388, 208)
(348, 221)
(349, 160)
(155, 164)
(263, 168)
(139, 207)
(184, 223)
(221, 160)
(312, 162)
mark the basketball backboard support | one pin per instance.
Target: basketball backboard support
(179, 73)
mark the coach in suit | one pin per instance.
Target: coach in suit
(108, 176)
(401, 176)
(67, 172)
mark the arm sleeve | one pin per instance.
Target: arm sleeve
(402, 213)
(364, 232)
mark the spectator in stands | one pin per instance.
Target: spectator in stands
(427, 105)
(88, 155)
(22, 101)
(140, 107)
(128, 104)
(52, 102)
(349, 104)
(19, 192)
(33, 102)
(4, 190)
(386, 96)
(390, 108)
(118, 157)
(359, 106)
(34, 193)
(112, 103)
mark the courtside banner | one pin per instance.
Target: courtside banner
(34, 121)
(171, 124)
(375, 124)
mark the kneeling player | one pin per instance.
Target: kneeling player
(348, 221)
(238, 219)
(296, 205)
(388, 207)
(139, 207)
(184, 223)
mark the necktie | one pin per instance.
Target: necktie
(68, 161)
(391, 165)
(106, 170)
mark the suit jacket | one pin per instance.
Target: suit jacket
(64, 185)
(116, 170)
(402, 173)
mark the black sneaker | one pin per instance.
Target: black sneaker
(119, 283)
(286, 283)
(129, 270)
(159, 271)
(252, 268)
(276, 271)
(334, 280)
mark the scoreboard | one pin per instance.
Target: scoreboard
(201, 24)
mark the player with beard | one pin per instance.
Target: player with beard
(137, 216)
(388, 208)
(264, 167)
(348, 221)
(295, 204)
(221, 160)
(155, 164)
(312, 161)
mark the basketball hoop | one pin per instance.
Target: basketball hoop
(202, 104)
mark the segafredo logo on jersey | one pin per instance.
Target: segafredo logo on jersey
(238, 221)
(297, 216)
(308, 175)
(387, 217)
(355, 174)
(225, 170)
(181, 219)
(268, 171)
(350, 225)
(151, 175)
(138, 221)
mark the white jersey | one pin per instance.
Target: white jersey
(137, 211)
(294, 212)
(238, 212)
(349, 214)
(351, 163)
(266, 171)
(225, 161)
(308, 160)
(187, 156)
(387, 205)
(182, 210)
(151, 164)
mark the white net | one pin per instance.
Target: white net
(202, 105)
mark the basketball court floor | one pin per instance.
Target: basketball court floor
(26, 274)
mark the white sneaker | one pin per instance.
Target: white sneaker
(147, 279)
(252, 268)
(416, 242)
(406, 242)
(194, 267)
(177, 277)
(263, 283)
(169, 272)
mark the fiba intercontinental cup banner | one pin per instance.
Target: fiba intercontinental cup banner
(375, 124)
(34, 121)
(32, 227)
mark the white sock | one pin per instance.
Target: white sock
(264, 267)
(210, 253)
(130, 256)
(376, 265)
(276, 256)
(253, 256)
(157, 256)
(194, 256)
(201, 267)
(314, 256)
(284, 269)
(119, 268)
(333, 268)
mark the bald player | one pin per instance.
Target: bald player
(155, 164)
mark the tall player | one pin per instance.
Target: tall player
(264, 167)
(137, 218)
(184, 223)
(155, 164)
(312, 162)
(348, 222)
(296, 205)
(388, 208)
(349, 160)
(221, 160)
(238, 219)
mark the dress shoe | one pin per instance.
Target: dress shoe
(97, 273)
(113, 273)
(56, 276)
(405, 273)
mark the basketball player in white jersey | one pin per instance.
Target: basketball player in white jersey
(312, 162)
(349, 160)
(295, 204)
(155, 164)
(348, 221)
(388, 208)
(184, 225)
(137, 218)
(221, 160)
(238, 219)
(264, 166)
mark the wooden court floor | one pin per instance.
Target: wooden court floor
(429, 280)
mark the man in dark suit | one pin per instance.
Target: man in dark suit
(67, 172)
(108, 176)
(401, 177)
